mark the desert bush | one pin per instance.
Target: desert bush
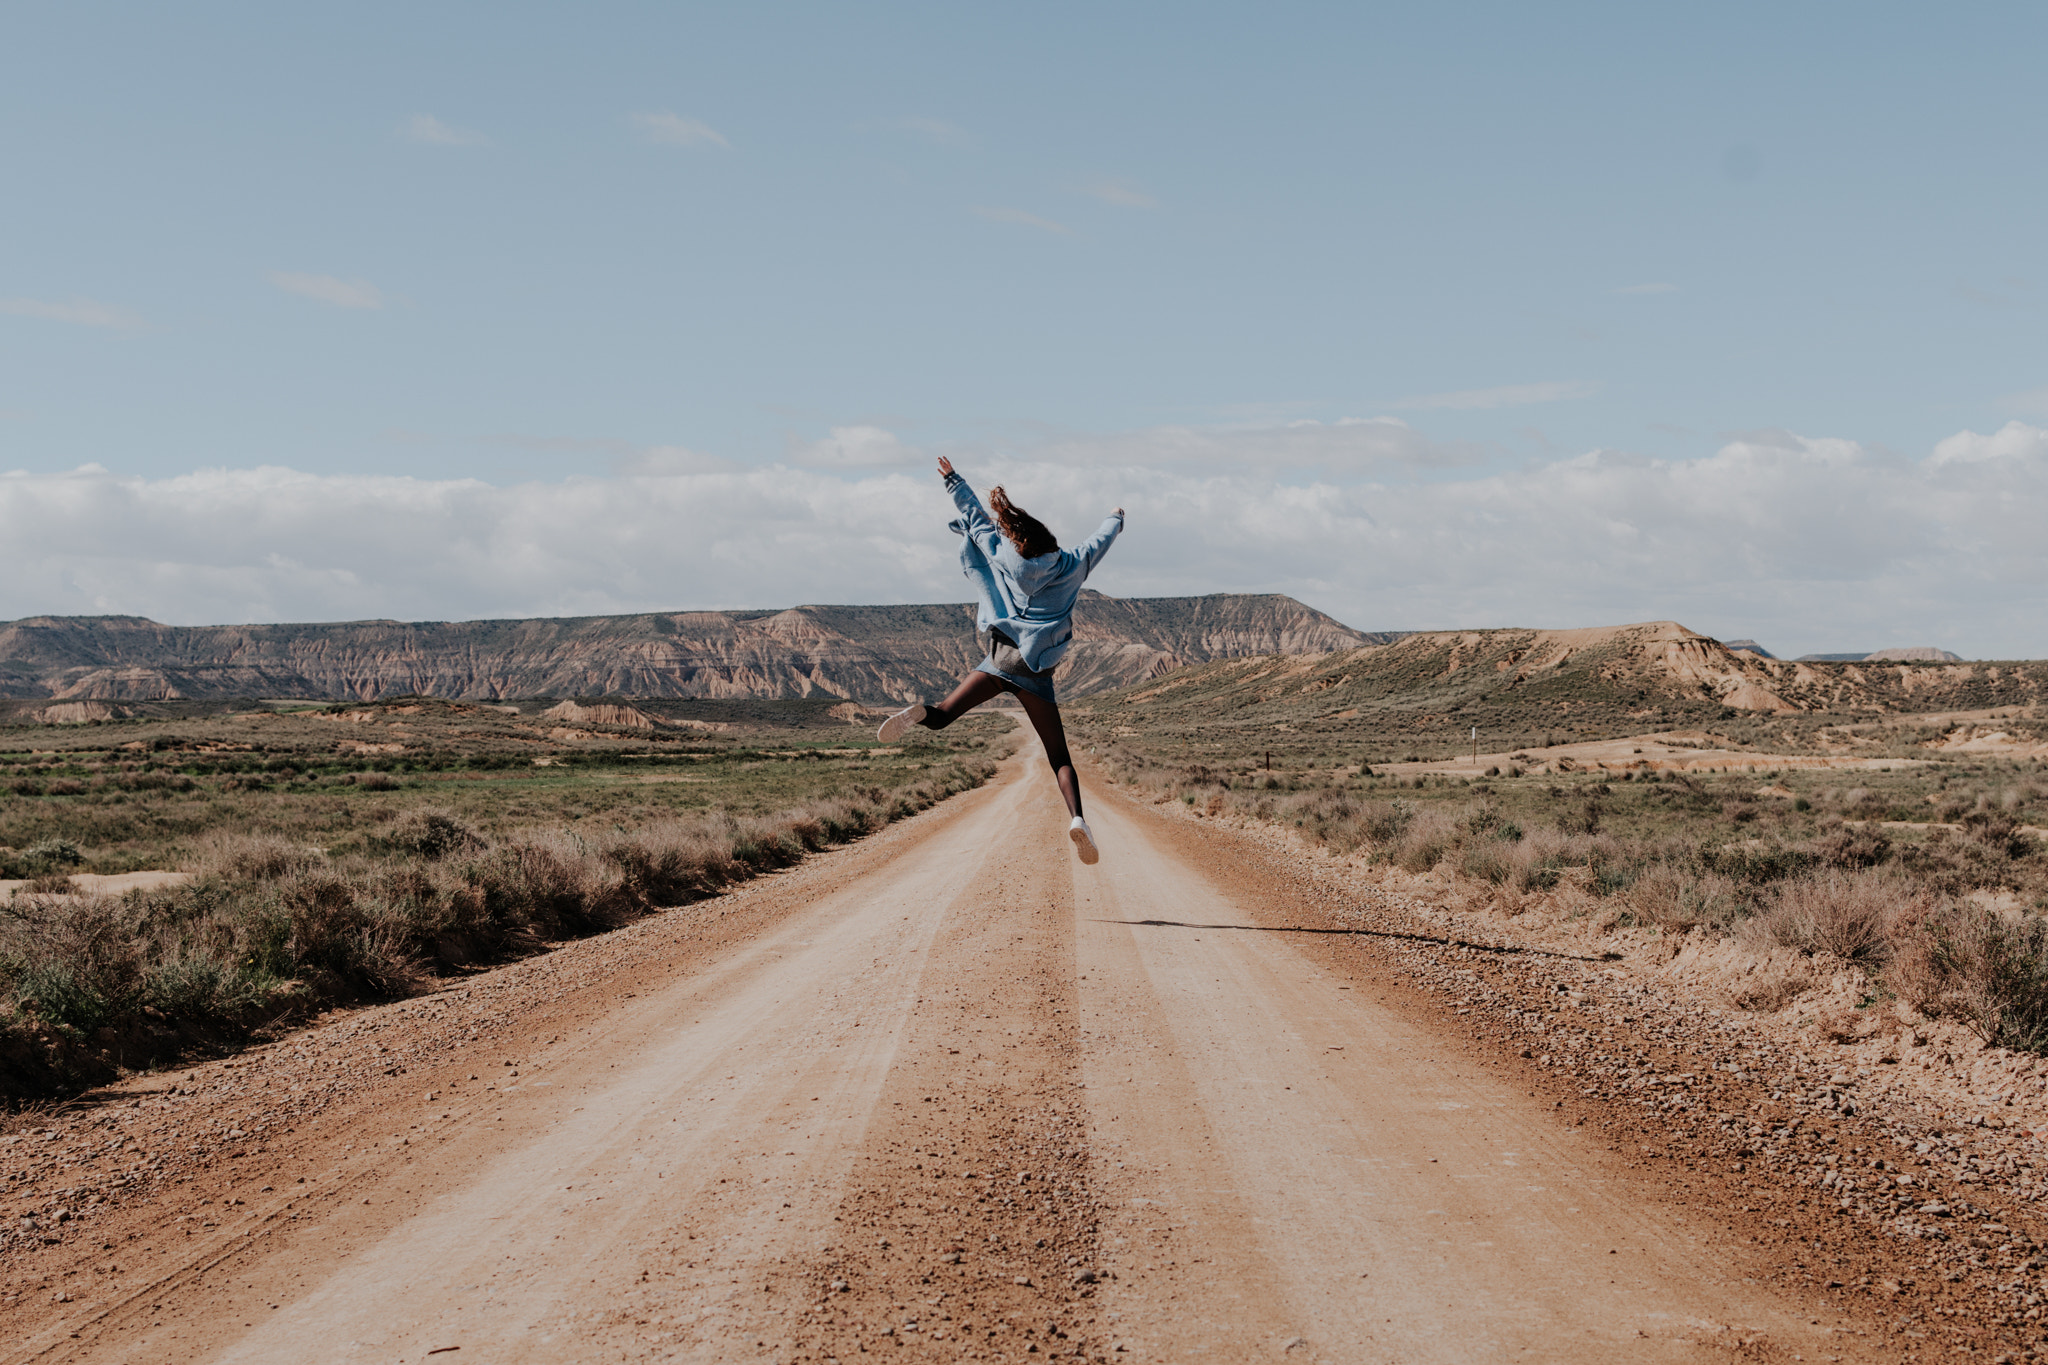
(69, 960)
(430, 832)
(1425, 841)
(1998, 833)
(1677, 897)
(675, 861)
(1332, 817)
(1850, 915)
(252, 857)
(1981, 966)
(48, 856)
(1537, 861)
(1383, 821)
(552, 884)
(1755, 864)
(1490, 861)
(1955, 865)
(1584, 818)
(1844, 847)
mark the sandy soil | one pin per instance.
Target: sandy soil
(1649, 753)
(108, 884)
(943, 1095)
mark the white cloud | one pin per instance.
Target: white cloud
(428, 129)
(2013, 441)
(1122, 193)
(1506, 396)
(327, 289)
(676, 131)
(857, 447)
(1648, 289)
(1811, 543)
(78, 312)
(1021, 218)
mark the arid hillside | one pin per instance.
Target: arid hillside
(1427, 691)
(864, 653)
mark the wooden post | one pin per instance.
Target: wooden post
(1475, 746)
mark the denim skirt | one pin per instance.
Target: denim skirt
(1005, 661)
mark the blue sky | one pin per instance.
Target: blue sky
(512, 247)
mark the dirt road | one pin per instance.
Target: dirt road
(946, 1095)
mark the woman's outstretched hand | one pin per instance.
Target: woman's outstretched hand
(945, 468)
(1119, 512)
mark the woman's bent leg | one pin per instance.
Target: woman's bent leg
(1045, 718)
(974, 689)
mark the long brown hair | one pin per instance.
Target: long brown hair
(1019, 527)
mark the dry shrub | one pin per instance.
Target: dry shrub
(1491, 861)
(1538, 860)
(1860, 847)
(675, 861)
(430, 832)
(1849, 915)
(1984, 967)
(253, 857)
(1429, 837)
(1675, 898)
(1583, 818)
(2000, 834)
(70, 960)
(553, 884)
(1953, 866)
(1330, 817)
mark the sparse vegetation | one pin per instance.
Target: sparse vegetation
(304, 898)
(1927, 874)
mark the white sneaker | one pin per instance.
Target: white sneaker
(893, 728)
(1084, 842)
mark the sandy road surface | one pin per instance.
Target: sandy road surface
(952, 1096)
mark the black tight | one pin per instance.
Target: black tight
(978, 687)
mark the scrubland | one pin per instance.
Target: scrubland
(1929, 877)
(318, 874)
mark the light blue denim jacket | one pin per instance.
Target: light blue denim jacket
(1029, 600)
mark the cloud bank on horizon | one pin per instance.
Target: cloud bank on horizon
(1804, 543)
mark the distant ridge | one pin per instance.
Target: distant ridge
(1750, 647)
(1907, 654)
(886, 653)
(1426, 692)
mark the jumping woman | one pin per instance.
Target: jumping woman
(1028, 586)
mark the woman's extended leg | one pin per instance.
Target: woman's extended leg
(1045, 718)
(974, 689)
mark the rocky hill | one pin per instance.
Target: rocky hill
(865, 653)
(1430, 689)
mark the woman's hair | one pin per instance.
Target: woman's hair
(1019, 527)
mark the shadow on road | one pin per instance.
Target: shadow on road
(1501, 948)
